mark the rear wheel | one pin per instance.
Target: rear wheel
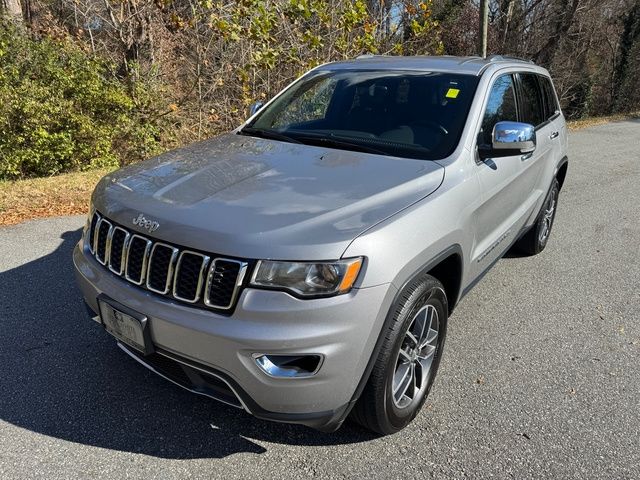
(534, 241)
(408, 360)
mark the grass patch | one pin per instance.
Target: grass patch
(66, 194)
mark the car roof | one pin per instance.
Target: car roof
(445, 63)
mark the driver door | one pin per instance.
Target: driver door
(503, 207)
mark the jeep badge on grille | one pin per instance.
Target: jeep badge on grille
(149, 225)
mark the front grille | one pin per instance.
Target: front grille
(169, 270)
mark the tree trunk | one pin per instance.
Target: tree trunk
(12, 9)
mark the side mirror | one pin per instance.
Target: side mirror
(255, 107)
(510, 138)
(514, 136)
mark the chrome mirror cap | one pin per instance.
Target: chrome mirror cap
(254, 108)
(514, 136)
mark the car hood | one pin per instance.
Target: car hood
(255, 198)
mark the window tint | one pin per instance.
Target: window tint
(501, 106)
(531, 105)
(550, 103)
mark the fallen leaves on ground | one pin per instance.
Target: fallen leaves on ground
(66, 194)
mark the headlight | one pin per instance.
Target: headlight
(308, 279)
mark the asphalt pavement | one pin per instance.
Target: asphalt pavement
(540, 376)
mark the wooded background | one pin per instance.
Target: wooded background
(86, 83)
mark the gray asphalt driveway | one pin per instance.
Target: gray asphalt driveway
(540, 377)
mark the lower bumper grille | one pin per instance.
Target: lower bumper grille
(169, 270)
(188, 376)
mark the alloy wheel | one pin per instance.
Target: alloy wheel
(415, 358)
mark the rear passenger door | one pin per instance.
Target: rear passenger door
(558, 135)
(532, 104)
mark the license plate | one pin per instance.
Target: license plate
(129, 327)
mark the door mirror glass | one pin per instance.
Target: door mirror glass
(253, 109)
(514, 136)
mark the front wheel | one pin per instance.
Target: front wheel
(408, 360)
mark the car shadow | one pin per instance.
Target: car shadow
(61, 375)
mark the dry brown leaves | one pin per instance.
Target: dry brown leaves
(66, 194)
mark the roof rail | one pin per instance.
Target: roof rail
(366, 55)
(506, 58)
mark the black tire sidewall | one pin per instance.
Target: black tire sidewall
(554, 190)
(428, 292)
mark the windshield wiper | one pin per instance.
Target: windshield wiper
(331, 141)
(269, 134)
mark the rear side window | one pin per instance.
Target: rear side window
(550, 102)
(531, 103)
(501, 106)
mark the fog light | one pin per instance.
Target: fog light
(289, 366)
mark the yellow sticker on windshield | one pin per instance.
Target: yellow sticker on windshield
(452, 93)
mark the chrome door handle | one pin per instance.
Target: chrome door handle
(554, 135)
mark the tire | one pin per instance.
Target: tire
(534, 241)
(380, 408)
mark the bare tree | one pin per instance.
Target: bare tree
(13, 10)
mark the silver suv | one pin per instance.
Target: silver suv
(303, 267)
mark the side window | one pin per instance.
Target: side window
(501, 106)
(531, 104)
(551, 105)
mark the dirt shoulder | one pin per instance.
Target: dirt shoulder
(66, 194)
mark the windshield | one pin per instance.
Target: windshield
(400, 113)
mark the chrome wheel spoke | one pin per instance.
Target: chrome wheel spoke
(430, 338)
(411, 337)
(404, 356)
(407, 381)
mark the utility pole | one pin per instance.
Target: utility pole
(484, 25)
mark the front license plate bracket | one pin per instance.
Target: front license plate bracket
(126, 325)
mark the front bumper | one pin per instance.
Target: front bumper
(342, 329)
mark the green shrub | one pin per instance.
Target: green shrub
(61, 109)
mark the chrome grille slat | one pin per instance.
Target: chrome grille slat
(200, 278)
(118, 269)
(242, 270)
(145, 257)
(104, 258)
(169, 274)
(186, 275)
(91, 232)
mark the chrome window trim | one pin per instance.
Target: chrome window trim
(105, 260)
(123, 255)
(144, 259)
(169, 278)
(203, 267)
(239, 279)
(90, 244)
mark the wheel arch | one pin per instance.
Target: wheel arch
(561, 171)
(450, 258)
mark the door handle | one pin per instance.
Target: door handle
(554, 135)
